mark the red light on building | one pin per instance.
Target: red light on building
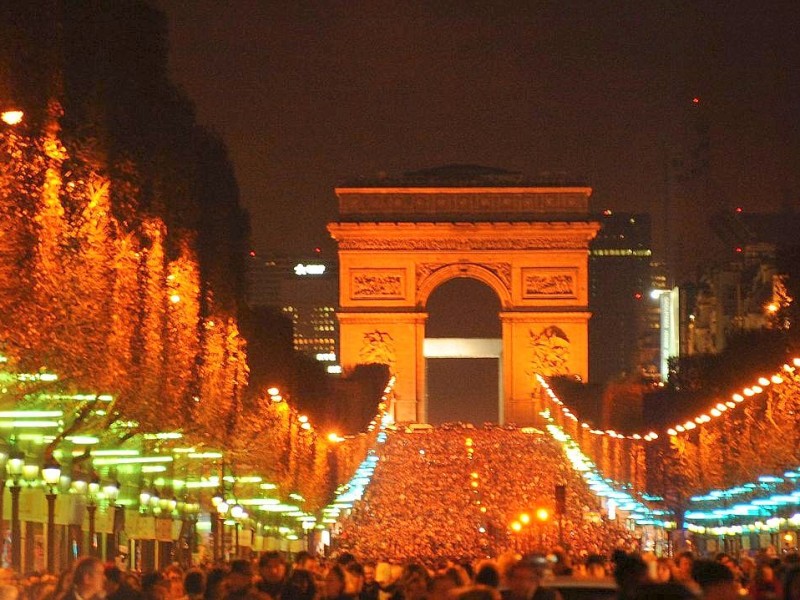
(638, 295)
(738, 209)
(252, 252)
(738, 249)
(695, 100)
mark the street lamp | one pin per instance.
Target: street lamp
(14, 467)
(51, 473)
(111, 491)
(222, 510)
(542, 515)
(93, 488)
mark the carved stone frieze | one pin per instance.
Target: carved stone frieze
(378, 284)
(445, 244)
(501, 270)
(549, 283)
(378, 347)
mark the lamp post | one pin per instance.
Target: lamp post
(3, 459)
(91, 510)
(238, 513)
(222, 510)
(51, 473)
(542, 515)
(14, 466)
(111, 491)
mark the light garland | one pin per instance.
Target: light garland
(603, 487)
(714, 412)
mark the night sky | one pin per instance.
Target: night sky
(310, 94)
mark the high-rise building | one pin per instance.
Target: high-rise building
(624, 329)
(305, 289)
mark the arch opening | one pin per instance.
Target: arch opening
(463, 352)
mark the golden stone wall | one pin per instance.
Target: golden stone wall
(538, 270)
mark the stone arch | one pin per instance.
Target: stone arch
(446, 272)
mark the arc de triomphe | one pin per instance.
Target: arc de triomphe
(529, 244)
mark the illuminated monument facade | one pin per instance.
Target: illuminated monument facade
(398, 240)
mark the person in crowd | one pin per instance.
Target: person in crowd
(154, 586)
(214, 584)
(791, 583)
(239, 582)
(479, 592)
(173, 575)
(664, 570)
(334, 587)
(354, 579)
(300, 585)
(524, 578)
(117, 587)
(715, 580)
(488, 575)
(413, 583)
(765, 585)
(194, 585)
(371, 588)
(88, 580)
(441, 587)
(596, 566)
(306, 561)
(272, 572)
(684, 562)
(630, 573)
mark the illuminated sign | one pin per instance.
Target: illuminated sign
(311, 269)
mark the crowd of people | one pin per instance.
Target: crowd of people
(621, 575)
(455, 492)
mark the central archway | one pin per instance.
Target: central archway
(463, 353)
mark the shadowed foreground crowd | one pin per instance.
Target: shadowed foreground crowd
(532, 577)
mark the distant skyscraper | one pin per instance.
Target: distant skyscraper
(305, 289)
(623, 331)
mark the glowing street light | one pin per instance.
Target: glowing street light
(12, 116)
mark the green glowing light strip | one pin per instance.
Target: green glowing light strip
(133, 460)
(30, 414)
(28, 424)
(120, 452)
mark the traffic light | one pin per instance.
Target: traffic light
(561, 499)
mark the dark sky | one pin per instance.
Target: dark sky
(308, 94)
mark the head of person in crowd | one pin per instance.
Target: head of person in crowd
(630, 572)
(345, 558)
(173, 575)
(272, 567)
(664, 568)
(117, 586)
(334, 583)
(305, 560)
(441, 587)
(214, 580)
(596, 566)
(488, 575)
(89, 578)
(369, 573)
(523, 579)
(300, 586)
(239, 579)
(683, 566)
(194, 584)
(662, 591)
(414, 582)
(715, 580)
(459, 576)
(155, 586)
